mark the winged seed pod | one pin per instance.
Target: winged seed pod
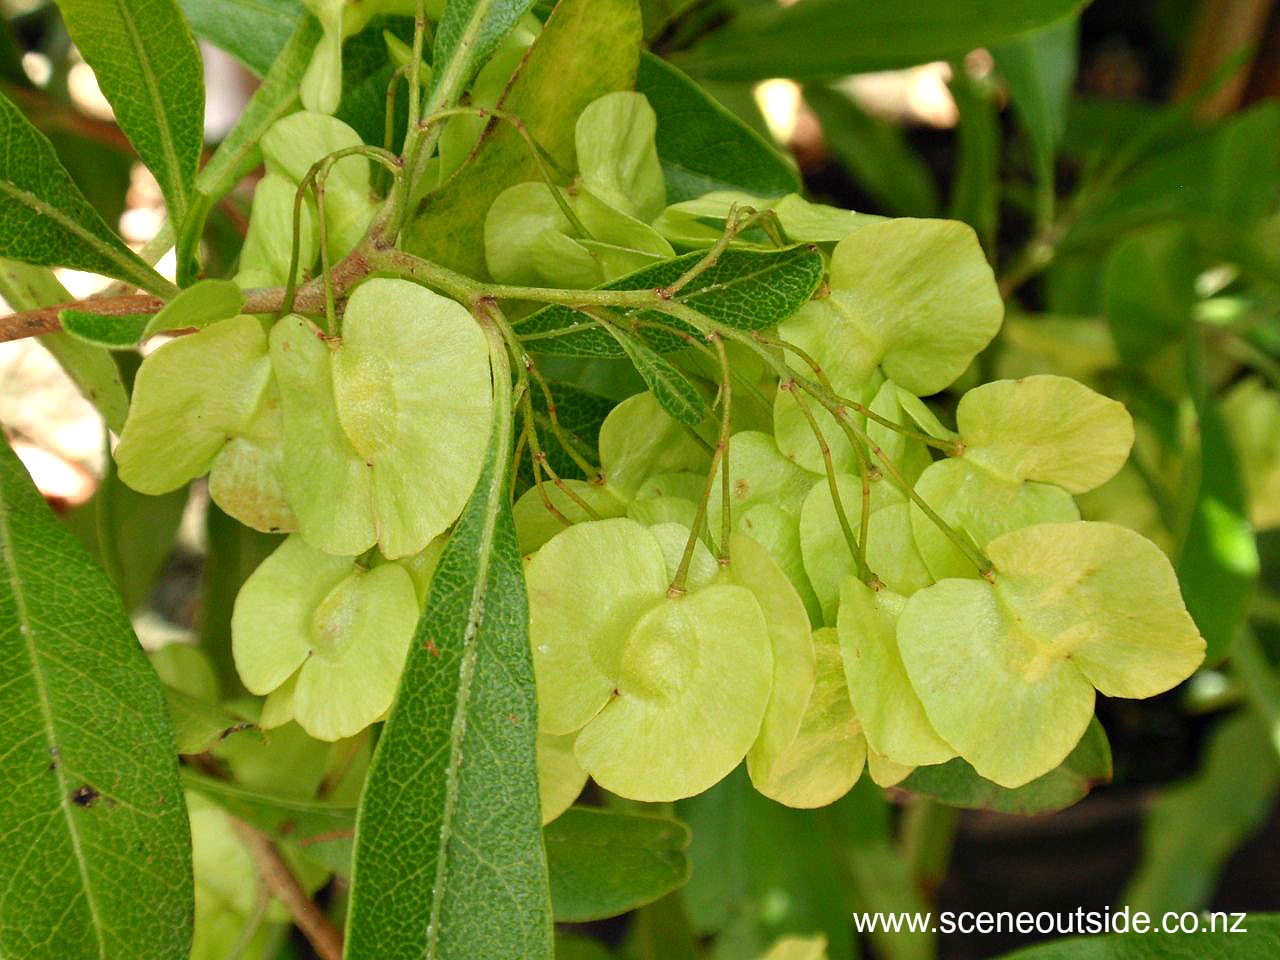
(1006, 670)
(206, 403)
(404, 394)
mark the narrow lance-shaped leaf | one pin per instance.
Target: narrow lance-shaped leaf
(449, 861)
(1218, 564)
(704, 147)
(95, 849)
(238, 153)
(876, 152)
(670, 387)
(975, 188)
(745, 289)
(25, 286)
(136, 534)
(1150, 291)
(467, 35)
(251, 31)
(601, 863)
(45, 219)
(825, 38)
(276, 97)
(1193, 827)
(1039, 70)
(149, 68)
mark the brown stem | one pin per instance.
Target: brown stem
(310, 299)
(275, 873)
(1220, 31)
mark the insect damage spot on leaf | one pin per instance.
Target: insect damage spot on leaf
(85, 796)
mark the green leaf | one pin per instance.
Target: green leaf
(976, 186)
(95, 374)
(661, 931)
(149, 69)
(277, 97)
(615, 379)
(880, 875)
(449, 858)
(877, 154)
(721, 875)
(761, 870)
(322, 831)
(1101, 126)
(136, 534)
(101, 172)
(745, 289)
(601, 863)
(467, 35)
(704, 147)
(1039, 70)
(96, 852)
(252, 31)
(112, 332)
(1196, 825)
(658, 14)
(824, 38)
(1150, 291)
(47, 219)
(11, 56)
(1226, 177)
(956, 784)
(588, 48)
(1218, 563)
(1257, 939)
(604, 863)
(199, 305)
(670, 387)
(200, 725)
(238, 153)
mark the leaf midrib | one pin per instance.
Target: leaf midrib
(684, 296)
(178, 199)
(28, 635)
(762, 271)
(45, 209)
(458, 65)
(475, 614)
